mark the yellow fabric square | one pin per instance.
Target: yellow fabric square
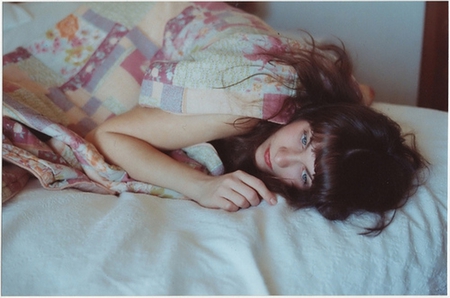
(101, 115)
(119, 92)
(79, 97)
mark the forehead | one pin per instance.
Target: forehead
(299, 125)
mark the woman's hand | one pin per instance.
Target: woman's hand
(233, 191)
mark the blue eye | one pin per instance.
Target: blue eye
(304, 139)
(304, 177)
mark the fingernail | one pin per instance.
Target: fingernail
(273, 201)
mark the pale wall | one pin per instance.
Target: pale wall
(384, 38)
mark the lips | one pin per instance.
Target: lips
(267, 158)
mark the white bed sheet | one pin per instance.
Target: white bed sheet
(75, 243)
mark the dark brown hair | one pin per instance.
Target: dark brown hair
(362, 160)
(324, 75)
(363, 163)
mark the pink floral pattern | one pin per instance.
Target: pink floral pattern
(14, 179)
(66, 159)
(72, 42)
(212, 46)
(89, 64)
(75, 50)
(16, 56)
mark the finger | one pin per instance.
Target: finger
(240, 200)
(235, 194)
(244, 195)
(227, 205)
(259, 187)
(234, 189)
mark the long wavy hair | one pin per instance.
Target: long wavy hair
(362, 160)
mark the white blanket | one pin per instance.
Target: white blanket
(75, 243)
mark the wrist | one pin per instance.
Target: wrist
(196, 185)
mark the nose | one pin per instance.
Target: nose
(286, 157)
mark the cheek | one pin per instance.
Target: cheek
(292, 176)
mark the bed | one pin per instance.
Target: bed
(83, 234)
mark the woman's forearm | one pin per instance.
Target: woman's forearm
(145, 163)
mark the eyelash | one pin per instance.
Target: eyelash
(304, 141)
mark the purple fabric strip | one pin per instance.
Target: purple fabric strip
(60, 99)
(92, 106)
(103, 68)
(98, 21)
(142, 43)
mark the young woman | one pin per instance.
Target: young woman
(335, 153)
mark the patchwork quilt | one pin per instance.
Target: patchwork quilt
(104, 59)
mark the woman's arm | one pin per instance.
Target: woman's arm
(135, 141)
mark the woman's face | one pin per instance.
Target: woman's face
(288, 154)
